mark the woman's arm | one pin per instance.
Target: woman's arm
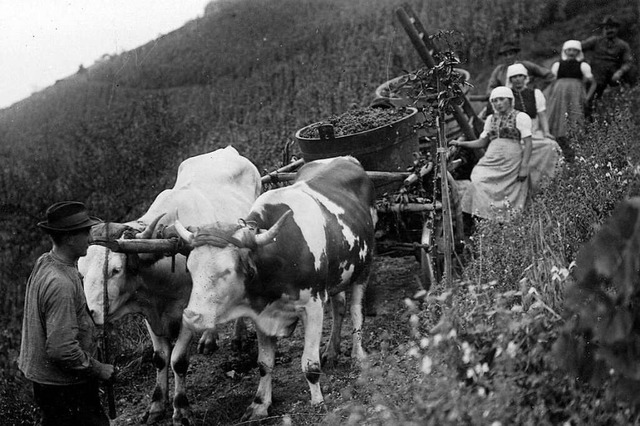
(544, 124)
(541, 109)
(476, 143)
(592, 88)
(588, 79)
(526, 156)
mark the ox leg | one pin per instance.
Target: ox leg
(332, 349)
(208, 342)
(266, 360)
(180, 365)
(239, 340)
(313, 315)
(160, 396)
(357, 319)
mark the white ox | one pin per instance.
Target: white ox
(215, 187)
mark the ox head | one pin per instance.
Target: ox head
(221, 264)
(118, 269)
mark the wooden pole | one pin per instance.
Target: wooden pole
(447, 224)
(409, 25)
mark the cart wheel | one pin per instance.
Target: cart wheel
(427, 269)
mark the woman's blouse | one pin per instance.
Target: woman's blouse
(570, 69)
(516, 125)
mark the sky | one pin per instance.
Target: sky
(42, 41)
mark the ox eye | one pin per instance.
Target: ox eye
(116, 270)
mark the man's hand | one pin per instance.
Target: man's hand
(104, 372)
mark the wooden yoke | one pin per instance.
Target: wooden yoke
(425, 48)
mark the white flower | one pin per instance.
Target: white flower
(410, 303)
(427, 363)
(414, 320)
(466, 355)
(437, 339)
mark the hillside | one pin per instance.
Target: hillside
(252, 72)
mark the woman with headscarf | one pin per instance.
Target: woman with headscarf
(567, 96)
(545, 153)
(499, 184)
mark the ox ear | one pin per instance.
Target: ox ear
(148, 231)
(184, 233)
(269, 236)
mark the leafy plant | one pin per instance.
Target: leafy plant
(601, 336)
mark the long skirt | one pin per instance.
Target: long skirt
(494, 191)
(566, 99)
(544, 164)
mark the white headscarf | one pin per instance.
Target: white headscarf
(516, 69)
(572, 44)
(501, 92)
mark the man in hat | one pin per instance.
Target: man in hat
(508, 55)
(58, 334)
(609, 56)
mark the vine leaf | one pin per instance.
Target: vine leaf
(601, 337)
(613, 255)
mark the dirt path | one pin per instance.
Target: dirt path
(222, 385)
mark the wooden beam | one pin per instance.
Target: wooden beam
(410, 25)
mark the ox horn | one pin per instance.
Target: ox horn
(148, 231)
(269, 236)
(184, 233)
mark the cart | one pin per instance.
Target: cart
(410, 219)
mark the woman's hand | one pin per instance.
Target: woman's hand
(549, 136)
(523, 173)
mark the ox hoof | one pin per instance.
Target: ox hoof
(328, 362)
(254, 413)
(181, 422)
(207, 347)
(237, 345)
(329, 359)
(152, 418)
(181, 419)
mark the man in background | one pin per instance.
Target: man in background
(509, 55)
(58, 333)
(609, 56)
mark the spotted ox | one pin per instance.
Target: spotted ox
(298, 247)
(217, 186)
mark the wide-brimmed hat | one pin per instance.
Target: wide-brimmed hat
(509, 46)
(67, 216)
(609, 21)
